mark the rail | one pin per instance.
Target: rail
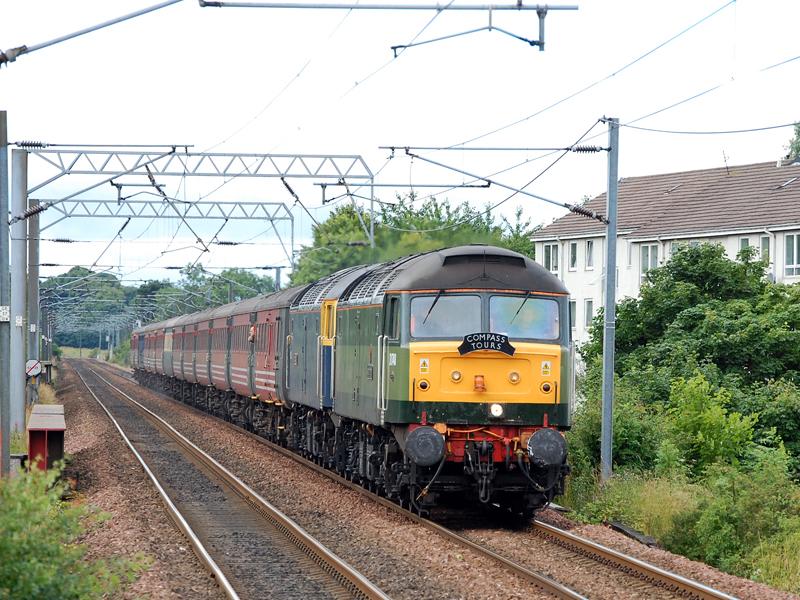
(350, 578)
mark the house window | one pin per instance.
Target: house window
(588, 315)
(589, 255)
(551, 257)
(572, 315)
(765, 248)
(573, 256)
(744, 242)
(792, 255)
(649, 258)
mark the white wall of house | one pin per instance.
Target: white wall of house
(579, 263)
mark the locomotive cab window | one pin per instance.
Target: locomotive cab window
(524, 317)
(445, 316)
(393, 318)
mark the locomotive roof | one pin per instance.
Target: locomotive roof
(330, 287)
(258, 303)
(475, 266)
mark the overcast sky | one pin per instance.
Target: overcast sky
(324, 81)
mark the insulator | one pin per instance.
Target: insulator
(30, 144)
(587, 149)
(35, 210)
(63, 240)
(588, 213)
(226, 243)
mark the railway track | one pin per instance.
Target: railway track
(251, 548)
(644, 577)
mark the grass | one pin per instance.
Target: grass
(47, 395)
(70, 352)
(778, 564)
(18, 442)
(650, 504)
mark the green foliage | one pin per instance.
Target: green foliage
(777, 404)
(707, 416)
(637, 428)
(39, 556)
(650, 504)
(122, 353)
(401, 229)
(774, 561)
(702, 428)
(793, 149)
(693, 277)
(739, 511)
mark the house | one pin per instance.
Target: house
(748, 205)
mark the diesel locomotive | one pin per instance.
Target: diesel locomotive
(438, 378)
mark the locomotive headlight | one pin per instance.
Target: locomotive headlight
(496, 410)
(513, 377)
(455, 376)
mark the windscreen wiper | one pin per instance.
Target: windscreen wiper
(430, 310)
(528, 295)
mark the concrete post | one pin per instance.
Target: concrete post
(5, 301)
(33, 296)
(610, 308)
(19, 202)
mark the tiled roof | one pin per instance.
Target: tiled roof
(696, 202)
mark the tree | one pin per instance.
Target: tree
(793, 149)
(401, 229)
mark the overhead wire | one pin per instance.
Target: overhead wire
(498, 204)
(398, 54)
(599, 81)
(660, 110)
(283, 90)
(723, 132)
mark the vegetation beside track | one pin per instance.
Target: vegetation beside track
(707, 416)
(40, 556)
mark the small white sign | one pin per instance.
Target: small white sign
(546, 368)
(33, 368)
(392, 359)
(18, 320)
(424, 365)
(33, 327)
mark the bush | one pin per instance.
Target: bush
(777, 404)
(740, 511)
(39, 557)
(702, 427)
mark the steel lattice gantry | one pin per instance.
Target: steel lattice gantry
(82, 161)
(98, 168)
(155, 207)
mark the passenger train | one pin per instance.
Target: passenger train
(437, 378)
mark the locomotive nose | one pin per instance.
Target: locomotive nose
(547, 448)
